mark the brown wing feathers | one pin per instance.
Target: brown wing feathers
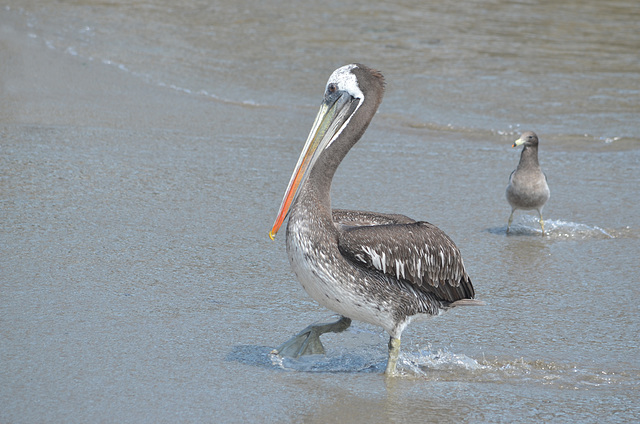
(418, 253)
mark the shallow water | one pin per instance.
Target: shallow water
(143, 164)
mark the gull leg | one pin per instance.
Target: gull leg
(307, 342)
(541, 222)
(510, 220)
(394, 351)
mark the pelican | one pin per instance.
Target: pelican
(383, 269)
(527, 189)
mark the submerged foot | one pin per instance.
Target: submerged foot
(307, 342)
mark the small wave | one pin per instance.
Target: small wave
(512, 131)
(72, 51)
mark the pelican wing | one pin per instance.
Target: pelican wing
(418, 252)
(350, 218)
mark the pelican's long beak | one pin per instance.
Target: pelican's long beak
(518, 142)
(333, 116)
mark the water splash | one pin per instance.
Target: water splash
(444, 365)
(441, 363)
(528, 225)
(568, 229)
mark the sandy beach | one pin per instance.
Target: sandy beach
(109, 194)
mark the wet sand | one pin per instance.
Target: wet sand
(107, 241)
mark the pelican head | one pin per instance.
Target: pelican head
(343, 97)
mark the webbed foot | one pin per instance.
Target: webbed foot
(307, 342)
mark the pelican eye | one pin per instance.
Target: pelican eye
(332, 88)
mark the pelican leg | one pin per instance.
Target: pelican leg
(394, 352)
(307, 342)
(510, 220)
